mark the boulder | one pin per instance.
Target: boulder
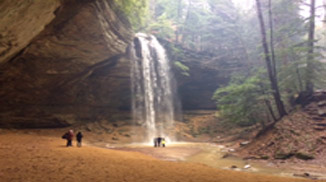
(244, 143)
(233, 167)
(283, 156)
(321, 103)
(322, 112)
(304, 156)
(247, 166)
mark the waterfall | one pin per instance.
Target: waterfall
(153, 95)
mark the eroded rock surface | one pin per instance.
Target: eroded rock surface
(62, 62)
(21, 21)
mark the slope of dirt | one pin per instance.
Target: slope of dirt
(298, 140)
(295, 133)
(33, 156)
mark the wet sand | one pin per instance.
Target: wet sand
(212, 155)
(35, 157)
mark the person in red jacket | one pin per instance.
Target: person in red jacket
(70, 136)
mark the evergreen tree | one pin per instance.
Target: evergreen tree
(246, 101)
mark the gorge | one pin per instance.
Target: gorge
(197, 76)
(76, 69)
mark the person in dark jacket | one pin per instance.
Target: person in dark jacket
(159, 140)
(79, 137)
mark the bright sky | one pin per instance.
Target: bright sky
(319, 11)
(244, 4)
(248, 4)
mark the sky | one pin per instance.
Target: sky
(248, 4)
(244, 4)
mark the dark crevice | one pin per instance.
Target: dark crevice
(18, 54)
(111, 62)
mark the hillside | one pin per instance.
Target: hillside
(298, 138)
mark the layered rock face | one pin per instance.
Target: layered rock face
(62, 62)
(21, 22)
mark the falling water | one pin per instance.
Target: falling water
(152, 92)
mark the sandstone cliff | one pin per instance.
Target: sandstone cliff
(64, 61)
(61, 61)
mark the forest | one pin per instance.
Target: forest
(278, 48)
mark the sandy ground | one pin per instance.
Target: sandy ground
(36, 157)
(215, 155)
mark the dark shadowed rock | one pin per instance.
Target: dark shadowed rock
(283, 156)
(304, 156)
(207, 72)
(233, 167)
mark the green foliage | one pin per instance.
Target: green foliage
(183, 68)
(243, 100)
(213, 26)
(164, 18)
(162, 27)
(176, 54)
(319, 70)
(135, 10)
(167, 8)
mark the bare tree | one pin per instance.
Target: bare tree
(270, 15)
(324, 25)
(179, 16)
(270, 66)
(324, 3)
(310, 56)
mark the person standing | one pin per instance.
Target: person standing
(79, 137)
(159, 140)
(163, 142)
(69, 138)
(155, 142)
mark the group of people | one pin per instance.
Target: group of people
(158, 141)
(69, 137)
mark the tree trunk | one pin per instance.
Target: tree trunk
(271, 37)
(324, 3)
(272, 77)
(179, 15)
(310, 57)
(270, 109)
(152, 6)
(183, 34)
(324, 26)
(299, 78)
(268, 104)
(297, 71)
